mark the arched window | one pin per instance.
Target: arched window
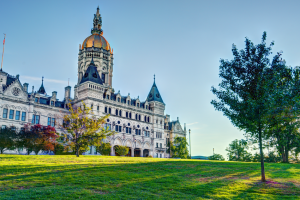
(107, 96)
(148, 119)
(160, 122)
(109, 110)
(117, 112)
(145, 118)
(105, 109)
(128, 102)
(136, 116)
(138, 105)
(130, 115)
(119, 99)
(92, 106)
(146, 107)
(140, 117)
(97, 107)
(120, 113)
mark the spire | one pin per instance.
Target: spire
(97, 23)
(154, 94)
(42, 89)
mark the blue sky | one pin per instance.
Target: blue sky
(179, 41)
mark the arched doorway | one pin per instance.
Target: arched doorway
(137, 153)
(146, 152)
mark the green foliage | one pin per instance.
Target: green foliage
(256, 157)
(273, 158)
(85, 128)
(122, 150)
(216, 157)
(8, 138)
(237, 151)
(104, 149)
(179, 148)
(244, 93)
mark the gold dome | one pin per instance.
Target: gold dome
(98, 40)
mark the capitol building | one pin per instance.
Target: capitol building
(140, 124)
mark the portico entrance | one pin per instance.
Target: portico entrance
(146, 152)
(137, 153)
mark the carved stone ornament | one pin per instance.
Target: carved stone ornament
(16, 91)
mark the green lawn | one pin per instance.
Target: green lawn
(99, 177)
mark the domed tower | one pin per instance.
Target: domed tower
(97, 46)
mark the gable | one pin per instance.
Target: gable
(15, 89)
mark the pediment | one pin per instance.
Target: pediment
(15, 90)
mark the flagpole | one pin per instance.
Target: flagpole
(3, 50)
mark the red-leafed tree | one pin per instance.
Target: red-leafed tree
(36, 138)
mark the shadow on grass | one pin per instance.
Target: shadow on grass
(144, 178)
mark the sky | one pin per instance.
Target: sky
(181, 42)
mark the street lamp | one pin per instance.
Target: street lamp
(190, 143)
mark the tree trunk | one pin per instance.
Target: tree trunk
(263, 178)
(286, 155)
(77, 151)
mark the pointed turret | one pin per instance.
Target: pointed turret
(154, 94)
(42, 89)
(91, 74)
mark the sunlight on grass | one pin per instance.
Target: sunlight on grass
(105, 177)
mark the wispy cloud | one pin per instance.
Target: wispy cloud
(192, 123)
(46, 79)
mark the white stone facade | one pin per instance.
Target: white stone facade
(140, 125)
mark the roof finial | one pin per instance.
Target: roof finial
(154, 78)
(42, 80)
(68, 81)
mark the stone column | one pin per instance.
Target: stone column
(112, 151)
(142, 152)
(132, 152)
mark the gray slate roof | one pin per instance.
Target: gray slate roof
(154, 94)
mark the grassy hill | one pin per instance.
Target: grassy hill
(99, 177)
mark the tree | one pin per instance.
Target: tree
(122, 150)
(84, 128)
(284, 110)
(36, 138)
(237, 151)
(8, 137)
(179, 148)
(216, 157)
(104, 149)
(45, 138)
(243, 93)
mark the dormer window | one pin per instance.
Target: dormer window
(107, 96)
(138, 105)
(36, 100)
(52, 103)
(119, 99)
(146, 107)
(128, 102)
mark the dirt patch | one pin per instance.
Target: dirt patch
(99, 192)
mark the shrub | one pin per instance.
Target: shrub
(104, 149)
(122, 150)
